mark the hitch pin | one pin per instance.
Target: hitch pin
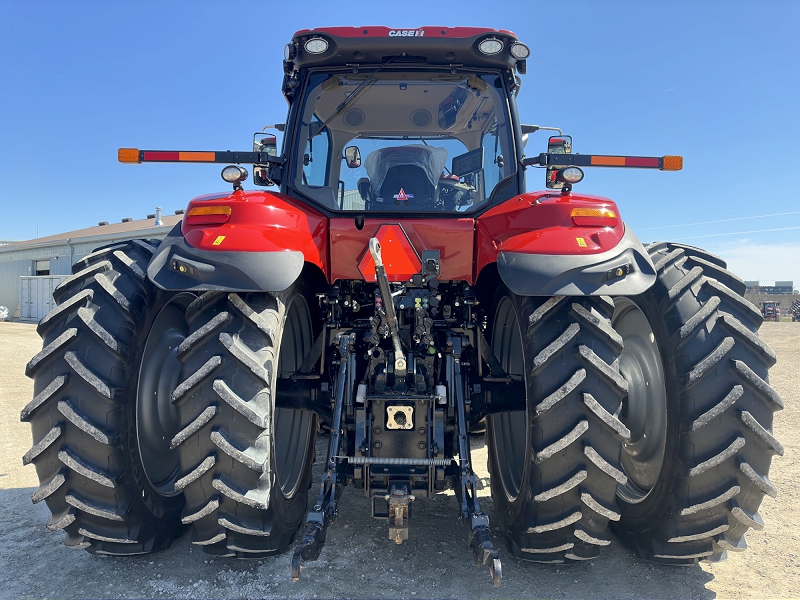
(388, 305)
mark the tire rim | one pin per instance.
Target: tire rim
(509, 432)
(159, 374)
(644, 409)
(294, 428)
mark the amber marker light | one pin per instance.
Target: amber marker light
(208, 215)
(672, 163)
(128, 155)
(594, 217)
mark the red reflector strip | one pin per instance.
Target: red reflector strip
(642, 161)
(161, 156)
(595, 221)
(207, 219)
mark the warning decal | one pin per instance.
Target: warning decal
(402, 195)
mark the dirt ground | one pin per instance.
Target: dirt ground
(358, 560)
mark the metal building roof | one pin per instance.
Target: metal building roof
(141, 227)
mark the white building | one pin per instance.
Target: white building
(30, 269)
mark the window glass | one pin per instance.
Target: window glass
(425, 141)
(316, 156)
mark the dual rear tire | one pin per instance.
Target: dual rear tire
(681, 416)
(153, 411)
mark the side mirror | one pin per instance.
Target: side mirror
(352, 155)
(557, 144)
(264, 142)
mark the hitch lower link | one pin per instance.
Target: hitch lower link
(325, 509)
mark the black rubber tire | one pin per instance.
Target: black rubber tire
(237, 453)
(83, 414)
(555, 468)
(719, 407)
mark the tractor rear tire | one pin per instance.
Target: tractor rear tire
(699, 409)
(94, 421)
(245, 466)
(555, 466)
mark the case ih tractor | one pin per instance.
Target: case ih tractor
(771, 310)
(400, 285)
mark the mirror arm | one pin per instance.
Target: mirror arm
(534, 128)
(540, 160)
(273, 160)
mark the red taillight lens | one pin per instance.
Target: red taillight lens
(208, 215)
(594, 217)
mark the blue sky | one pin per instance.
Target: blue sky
(715, 81)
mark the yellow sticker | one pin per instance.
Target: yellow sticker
(581, 242)
(219, 239)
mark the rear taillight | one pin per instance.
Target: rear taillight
(208, 215)
(594, 217)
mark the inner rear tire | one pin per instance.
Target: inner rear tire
(245, 466)
(555, 467)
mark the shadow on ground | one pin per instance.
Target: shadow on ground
(358, 561)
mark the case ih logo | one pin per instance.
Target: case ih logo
(406, 33)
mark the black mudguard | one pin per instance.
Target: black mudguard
(581, 274)
(178, 266)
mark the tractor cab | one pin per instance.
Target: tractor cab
(434, 123)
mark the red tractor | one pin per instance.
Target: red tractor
(401, 286)
(771, 311)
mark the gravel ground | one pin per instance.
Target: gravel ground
(358, 560)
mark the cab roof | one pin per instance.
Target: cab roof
(374, 45)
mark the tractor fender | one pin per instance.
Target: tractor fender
(262, 247)
(528, 274)
(178, 266)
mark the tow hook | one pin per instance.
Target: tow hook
(399, 501)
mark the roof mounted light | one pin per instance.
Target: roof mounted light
(520, 51)
(316, 45)
(490, 46)
(289, 52)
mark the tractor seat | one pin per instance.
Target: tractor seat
(404, 176)
(407, 185)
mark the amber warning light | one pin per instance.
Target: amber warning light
(128, 155)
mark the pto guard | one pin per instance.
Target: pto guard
(625, 270)
(177, 266)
